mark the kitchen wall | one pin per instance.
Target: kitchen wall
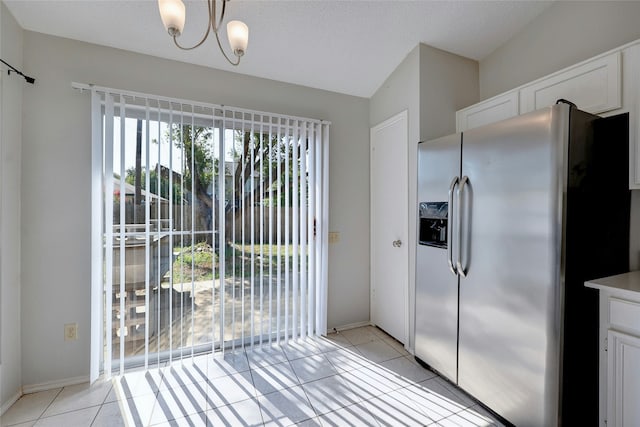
(56, 188)
(431, 84)
(11, 94)
(55, 185)
(448, 83)
(564, 34)
(399, 92)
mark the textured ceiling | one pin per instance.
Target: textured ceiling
(349, 47)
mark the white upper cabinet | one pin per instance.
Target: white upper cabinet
(631, 103)
(605, 85)
(492, 110)
(594, 86)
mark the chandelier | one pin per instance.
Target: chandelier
(172, 13)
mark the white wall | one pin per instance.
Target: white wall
(399, 92)
(448, 83)
(11, 93)
(432, 85)
(564, 34)
(56, 187)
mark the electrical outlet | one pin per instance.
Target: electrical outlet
(70, 331)
(334, 237)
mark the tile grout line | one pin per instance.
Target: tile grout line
(338, 373)
(41, 417)
(361, 400)
(97, 412)
(49, 405)
(255, 390)
(341, 370)
(301, 387)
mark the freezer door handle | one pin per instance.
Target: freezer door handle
(462, 271)
(452, 266)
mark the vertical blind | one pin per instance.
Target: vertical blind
(209, 228)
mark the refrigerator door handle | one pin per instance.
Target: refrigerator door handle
(462, 271)
(452, 266)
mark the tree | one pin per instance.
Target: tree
(258, 165)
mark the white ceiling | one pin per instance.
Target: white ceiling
(349, 47)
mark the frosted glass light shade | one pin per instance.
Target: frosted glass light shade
(238, 34)
(172, 13)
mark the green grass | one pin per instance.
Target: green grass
(197, 262)
(194, 261)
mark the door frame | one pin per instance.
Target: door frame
(403, 116)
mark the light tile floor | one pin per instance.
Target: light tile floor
(358, 377)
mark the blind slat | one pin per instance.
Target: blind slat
(260, 145)
(303, 231)
(251, 179)
(270, 233)
(147, 237)
(123, 314)
(97, 251)
(311, 229)
(108, 219)
(279, 240)
(296, 232)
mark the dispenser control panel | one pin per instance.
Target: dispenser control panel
(433, 224)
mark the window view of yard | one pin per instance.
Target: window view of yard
(181, 309)
(172, 294)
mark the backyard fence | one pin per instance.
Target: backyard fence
(182, 220)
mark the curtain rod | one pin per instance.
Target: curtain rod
(15, 70)
(84, 86)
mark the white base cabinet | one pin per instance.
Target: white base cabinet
(623, 396)
(619, 375)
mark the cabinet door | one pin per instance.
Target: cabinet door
(490, 111)
(623, 391)
(631, 103)
(594, 86)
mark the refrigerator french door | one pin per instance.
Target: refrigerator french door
(509, 300)
(492, 289)
(436, 331)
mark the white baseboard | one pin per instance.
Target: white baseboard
(33, 388)
(349, 326)
(13, 399)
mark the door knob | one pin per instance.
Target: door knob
(397, 243)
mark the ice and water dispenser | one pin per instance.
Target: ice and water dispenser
(433, 224)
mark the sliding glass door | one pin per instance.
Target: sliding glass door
(212, 230)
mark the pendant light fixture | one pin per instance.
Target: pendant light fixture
(172, 13)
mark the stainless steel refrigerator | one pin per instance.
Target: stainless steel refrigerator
(513, 218)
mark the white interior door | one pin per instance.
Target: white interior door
(389, 226)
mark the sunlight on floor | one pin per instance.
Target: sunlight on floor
(359, 377)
